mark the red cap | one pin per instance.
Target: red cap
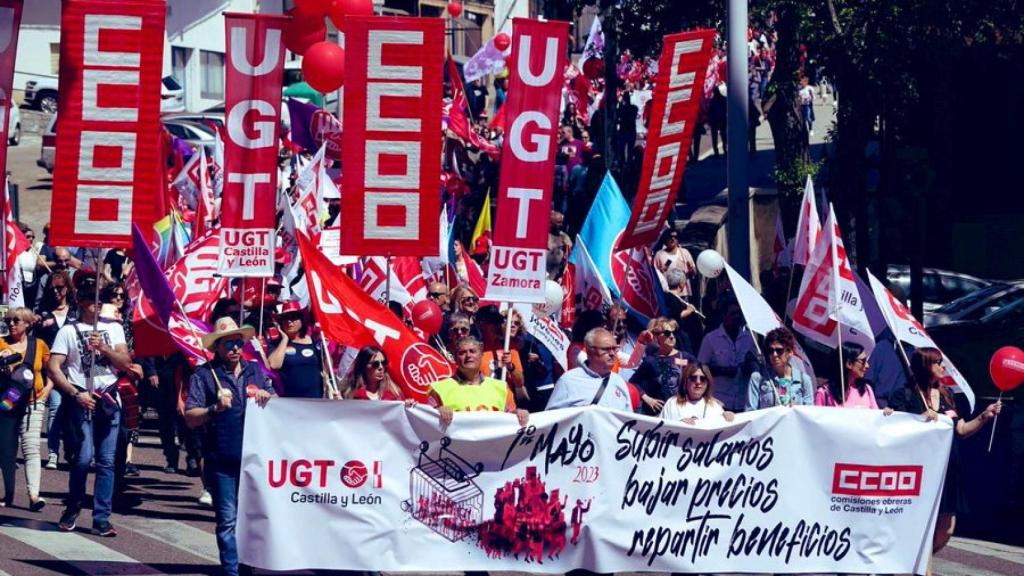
(290, 307)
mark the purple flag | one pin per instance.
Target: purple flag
(151, 277)
(301, 118)
(487, 60)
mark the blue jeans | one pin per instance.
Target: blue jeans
(222, 482)
(97, 439)
(53, 424)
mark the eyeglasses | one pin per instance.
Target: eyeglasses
(774, 351)
(469, 300)
(59, 288)
(459, 330)
(606, 349)
(437, 294)
(233, 344)
(291, 318)
(13, 321)
(379, 364)
(665, 333)
(696, 378)
(861, 361)
(119, 295)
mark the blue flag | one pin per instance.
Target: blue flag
(602, 229)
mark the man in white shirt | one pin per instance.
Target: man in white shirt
(725, 349)
(84, 361)
(593, 382)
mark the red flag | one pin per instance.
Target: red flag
(254, 73)
(518, 254)
(458, 120)
(391, 167)
(636, 280)
(14, 243)
(108, 139)
(674, 110)
(10, 22)
(351, 317)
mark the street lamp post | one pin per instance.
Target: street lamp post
(736, 136)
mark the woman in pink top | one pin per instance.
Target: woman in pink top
(859, 393)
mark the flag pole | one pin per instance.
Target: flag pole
(263, 292)
(842, 365)
(195, 335)
(387, 283)
(241, 307)
(995, 420)
(508, 340)
(789, 291)
(331, 378)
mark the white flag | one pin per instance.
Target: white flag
(759, 315)
(594, 48)
(593, 292)
(808, 227)
(545, 330)
(907, 329)
(829, 297)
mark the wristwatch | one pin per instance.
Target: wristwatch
(212, 409)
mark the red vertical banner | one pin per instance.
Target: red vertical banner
(392, 156)
(674, 108)
(252, 107)
(518, 255)
(10, 20)
(108, 131)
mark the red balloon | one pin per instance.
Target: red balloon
(311, 8)
(303, 31)
(323, 67)
(593, 68)
(455, 9)
(426, 315)
(1007, 368)
(341, 9)
(502, 41)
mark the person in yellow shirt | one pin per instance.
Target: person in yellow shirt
(469, 390)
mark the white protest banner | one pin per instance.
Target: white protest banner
(588, 488)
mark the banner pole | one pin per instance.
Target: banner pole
(241, 307)
(842, 365)
(331, 377)
(195, 335)
(263, 288)
(789, 292)
(387, 283)
(995, 421)
(508, 339)
(90, 381)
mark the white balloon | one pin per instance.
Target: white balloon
(552, 297)
(710, 263)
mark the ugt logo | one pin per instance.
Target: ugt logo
(355, 474)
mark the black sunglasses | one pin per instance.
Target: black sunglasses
(379, 364)
(697, 378)
(665, 333)
(773, 351)
(437, 294)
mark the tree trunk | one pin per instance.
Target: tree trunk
(788, 130)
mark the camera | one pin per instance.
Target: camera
(6, 361)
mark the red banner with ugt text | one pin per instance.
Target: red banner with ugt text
(10, 20)
(108, 160)
(252, 108)
(392, 154)
(677, 94)
(518, 255)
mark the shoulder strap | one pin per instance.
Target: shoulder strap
(30, 353)
(600, 390)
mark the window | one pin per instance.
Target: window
(54, 58)
(179, 63)
(211, 65)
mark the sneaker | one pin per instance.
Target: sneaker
(37, 505)
(206, 499)
(131, 470)
(104, 529)
(68, 520)
(51, 462)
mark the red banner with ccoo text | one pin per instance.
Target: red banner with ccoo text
(392, 166)
(252, 108)
(677, 94)
(518, 254)
(108, 159)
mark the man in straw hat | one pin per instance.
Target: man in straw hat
(217, 398)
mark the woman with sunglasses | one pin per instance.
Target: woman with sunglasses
(927, 395)
(658, 374)
(695, 401)
(465, 300)
(297, 358)
(370, 379)
(784, 382)
(858, 393)
(59, 305)
(23, 418)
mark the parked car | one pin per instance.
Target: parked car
(193, 133)
(41, 94)
(976, 304)
(940, 286)
(14, 126)
(49, 146)
(207, 118)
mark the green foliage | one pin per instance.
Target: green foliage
(790, 181)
